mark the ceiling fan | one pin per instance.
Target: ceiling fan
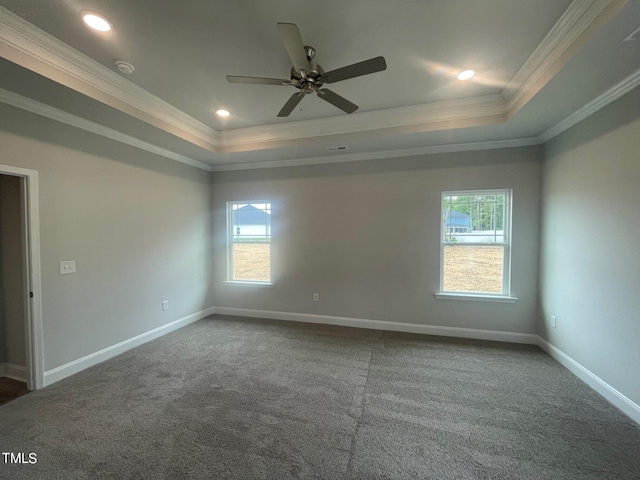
(308, 76)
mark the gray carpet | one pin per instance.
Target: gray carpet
(250, 399)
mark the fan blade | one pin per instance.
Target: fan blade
(291, 104)
(290, 35)
(257, 80)
(336, 100)
(372, 65)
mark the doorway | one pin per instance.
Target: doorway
(13, 366)
(21, 359)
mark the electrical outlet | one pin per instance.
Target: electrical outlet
(316, 297)
(553, 321)
(68, 266)
(165, 305)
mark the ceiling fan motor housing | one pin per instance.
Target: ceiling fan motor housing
(308, 82)
(308, 86)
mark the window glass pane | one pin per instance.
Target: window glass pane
(251, 261)
(477, 218)
(251, 241)
(476, 269)
(251, 222)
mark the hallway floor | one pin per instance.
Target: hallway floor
(11, 389)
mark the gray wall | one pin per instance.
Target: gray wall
(11, 275)
(138, 226)
(590, 244)
(365, 236)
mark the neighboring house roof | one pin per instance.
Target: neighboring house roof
(457, 219)
(250, 215)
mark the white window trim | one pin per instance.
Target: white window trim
(229, 280)
(247, 283)
(475, 297)
(505, 296)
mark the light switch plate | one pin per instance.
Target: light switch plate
(68, 266)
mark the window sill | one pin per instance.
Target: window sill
(473, 297)
(249, 284)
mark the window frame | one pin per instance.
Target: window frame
(507, 244)
(230, 234)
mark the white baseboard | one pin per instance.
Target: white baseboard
(614, 397)
(607, 391)
(495, 335)
(600, 386)
(16, 372)
(80, 364)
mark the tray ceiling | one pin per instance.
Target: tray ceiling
(182, 52)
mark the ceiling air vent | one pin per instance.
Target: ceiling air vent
(635, 35)
(336, 149)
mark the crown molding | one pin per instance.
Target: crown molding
(61, 116)
(58, 115)
(407, 152)
(36, 50)
(440, 115)
(411, 119)
(558, 39)
(575, 27)
(32, 48)
(620, 89)
(615, 92)
(611, 95)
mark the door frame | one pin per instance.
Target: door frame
(31, 265)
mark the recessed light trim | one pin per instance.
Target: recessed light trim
(97, 22)
(221, 112)
(466, 75)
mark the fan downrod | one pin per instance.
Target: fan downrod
(310, 52)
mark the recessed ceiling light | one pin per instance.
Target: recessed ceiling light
(222, 112)
(466, 75)
(96, 22)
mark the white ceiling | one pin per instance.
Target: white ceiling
(537, 63)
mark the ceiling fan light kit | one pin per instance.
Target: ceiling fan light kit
(308, 76)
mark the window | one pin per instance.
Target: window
(475, 243)
(249, 242)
